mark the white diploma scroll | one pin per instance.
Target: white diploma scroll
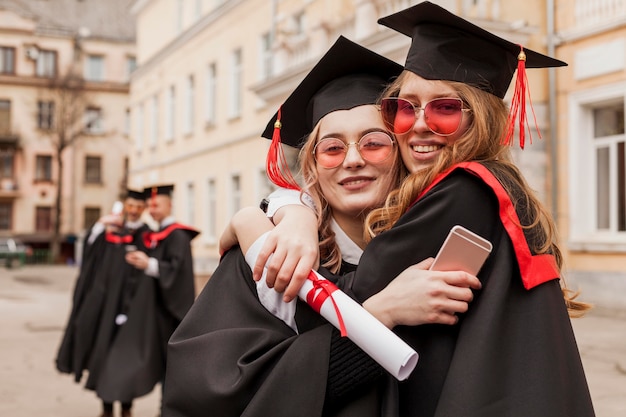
(373, 337)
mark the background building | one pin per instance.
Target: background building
(590, 160)
(64, 77)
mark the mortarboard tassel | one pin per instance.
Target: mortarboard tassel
(153, 196)
(518, 106)
(276, 164)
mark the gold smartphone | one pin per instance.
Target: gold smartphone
(463, 250)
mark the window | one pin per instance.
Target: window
(265, 54)
(191, 204)
(45, 114)
(189, 107)
(235, 194)
(211, 210)
(131, 66)
(5, 116)
(43, 219)
(127, 122)
(46, 65)
(94, 68)
(93, 120)
(43, 168)
(598, 168)
(170, 113)
(154, 121)
(6, 163)
(609, 139)
(93, 170)
(6, 216)
(235, 84)
(139, 128)
(7, 60)
(210, 94)
(92, 214)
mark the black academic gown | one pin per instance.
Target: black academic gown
(513, 353)
(105, 289)
(135, 361)
(126, 357)
(232, 357)
(87, 300)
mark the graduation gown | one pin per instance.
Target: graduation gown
(232, 357)
(105, 289)
(135, 360)
(513, 353)
(87, 300)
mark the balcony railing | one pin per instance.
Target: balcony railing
(595, 12)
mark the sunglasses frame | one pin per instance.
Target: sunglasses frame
(417, 109)
(345, 154)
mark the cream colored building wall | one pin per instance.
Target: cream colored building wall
(24, 90)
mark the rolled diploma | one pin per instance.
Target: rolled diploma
(373, 337)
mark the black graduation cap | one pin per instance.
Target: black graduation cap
(137, 195)
(447, 47)
(159, 190)
(347, 76)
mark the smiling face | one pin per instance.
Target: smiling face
(419, 147)
(356, 186)
(134, 208)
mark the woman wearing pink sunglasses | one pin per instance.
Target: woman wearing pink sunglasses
(514, 352)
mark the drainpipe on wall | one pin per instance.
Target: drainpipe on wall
(552, 112)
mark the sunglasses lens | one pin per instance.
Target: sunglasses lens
(398, 114)
(443, 116)
(375, 147)
(330, 152)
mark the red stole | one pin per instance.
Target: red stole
(534, 269)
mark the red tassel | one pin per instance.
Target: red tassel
(153, 196)
(276, 164)
(518, 106)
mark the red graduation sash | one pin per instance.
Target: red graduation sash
(534, 269)
(152, 239)
(118, 239)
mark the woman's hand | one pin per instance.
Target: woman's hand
(290, 252)
(420, 296)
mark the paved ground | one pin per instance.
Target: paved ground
(35, 301)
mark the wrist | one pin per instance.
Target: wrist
(375, 305)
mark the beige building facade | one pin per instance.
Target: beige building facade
(212, 73)
(40, 44)
(591, 152)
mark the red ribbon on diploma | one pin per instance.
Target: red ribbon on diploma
(316, 299)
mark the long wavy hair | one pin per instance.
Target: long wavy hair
(330, 254)
(481, 143)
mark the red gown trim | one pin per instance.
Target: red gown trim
(152, 239)
(118, 239)
(534, 269)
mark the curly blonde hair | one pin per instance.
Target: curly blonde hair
(480, 143)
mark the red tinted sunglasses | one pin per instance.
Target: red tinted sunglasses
(443, 116)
